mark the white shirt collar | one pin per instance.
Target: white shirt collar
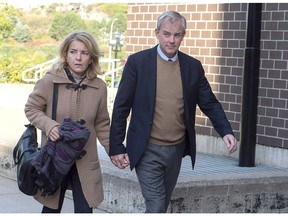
(164, 56)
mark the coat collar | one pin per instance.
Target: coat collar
(162, 55)
(63, 78)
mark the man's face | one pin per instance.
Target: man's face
(170, 36)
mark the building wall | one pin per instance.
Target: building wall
(216, 35)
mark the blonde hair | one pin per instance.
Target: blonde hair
(92, 46)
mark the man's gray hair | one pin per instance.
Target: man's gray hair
(172, 16)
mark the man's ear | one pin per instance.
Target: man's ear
(157, 33)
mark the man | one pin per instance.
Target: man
(161, 87)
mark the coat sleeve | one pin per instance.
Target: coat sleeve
(122, 106)
(211, 107)
(36, 106)
(102, 120)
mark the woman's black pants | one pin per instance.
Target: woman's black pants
(80, 203)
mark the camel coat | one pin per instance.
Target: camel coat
(90, 105)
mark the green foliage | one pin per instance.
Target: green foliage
(120, 23)
(33, 37)
(98, 29)
(111, 9)
(8, 20)
(38, 26)
(65, 23)
(15, 59)
(21, 33)
(118, 11)
(108, 80)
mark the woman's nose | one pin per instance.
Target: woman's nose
(78, 56)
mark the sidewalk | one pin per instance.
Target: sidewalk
(12, 200)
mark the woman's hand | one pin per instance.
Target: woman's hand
(54, 133)
(121, 161)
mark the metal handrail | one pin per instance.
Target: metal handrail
(112, 87)
(40, 69)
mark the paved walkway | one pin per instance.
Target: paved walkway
(12, 200)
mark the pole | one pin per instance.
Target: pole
(110, 63)
(110, 39)
(250, 87)
(116, 51)
(115, 64)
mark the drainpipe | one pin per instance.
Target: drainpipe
(250, 87)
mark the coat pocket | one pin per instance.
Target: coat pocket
(96, 174)
(94, 165)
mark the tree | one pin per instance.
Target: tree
(21, 33)
(120, 24)
(65, 23)
(99, 30)
(8, 20)
(111, 8)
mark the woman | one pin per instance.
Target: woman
(81, 96)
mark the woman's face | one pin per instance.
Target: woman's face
(78, 57)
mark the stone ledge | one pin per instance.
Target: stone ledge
(232, 193)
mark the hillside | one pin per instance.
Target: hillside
(33, 34)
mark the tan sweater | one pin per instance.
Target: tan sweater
(168, 123)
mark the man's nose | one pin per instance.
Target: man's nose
(171, 39)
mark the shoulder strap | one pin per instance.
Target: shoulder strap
(55, 101)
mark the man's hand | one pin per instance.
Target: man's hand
(230, 142)
(121, 160)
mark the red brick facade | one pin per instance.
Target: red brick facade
(216, 35)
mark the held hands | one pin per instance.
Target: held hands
(54, 133)
(230, 142)
(121, 161)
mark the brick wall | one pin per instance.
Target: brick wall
(216, 35)
(273, 91)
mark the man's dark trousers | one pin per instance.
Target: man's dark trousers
(157, 173)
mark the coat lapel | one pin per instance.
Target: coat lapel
(185, 75)
(186, 78)
(152, 79)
